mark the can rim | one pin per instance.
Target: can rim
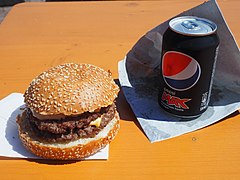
(209, 22)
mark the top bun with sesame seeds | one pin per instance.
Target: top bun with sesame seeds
(70, 112)
(70, 89)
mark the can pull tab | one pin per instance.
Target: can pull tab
(190, 25)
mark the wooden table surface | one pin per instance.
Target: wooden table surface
(36, 36)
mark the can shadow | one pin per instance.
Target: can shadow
(124, 109)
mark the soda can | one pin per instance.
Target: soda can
(189, 53)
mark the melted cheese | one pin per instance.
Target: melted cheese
(96, 122)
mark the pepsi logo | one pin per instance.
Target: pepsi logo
(180, 71)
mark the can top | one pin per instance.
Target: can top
(192, 26)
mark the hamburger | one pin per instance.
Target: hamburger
(70, 112)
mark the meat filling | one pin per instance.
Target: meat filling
(70, 128)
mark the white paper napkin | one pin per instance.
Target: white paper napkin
(138, 76)
(11, 145)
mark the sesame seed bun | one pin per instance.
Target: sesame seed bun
(70, 89)
(63, 97)
(77, 149)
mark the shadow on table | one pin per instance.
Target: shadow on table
(66, 0)
(42, 161)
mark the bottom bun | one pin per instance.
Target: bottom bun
(77, 149)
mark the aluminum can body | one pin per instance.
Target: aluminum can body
(189, 53)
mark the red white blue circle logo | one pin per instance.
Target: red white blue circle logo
(180, 71)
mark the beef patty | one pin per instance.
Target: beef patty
(70, 128)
